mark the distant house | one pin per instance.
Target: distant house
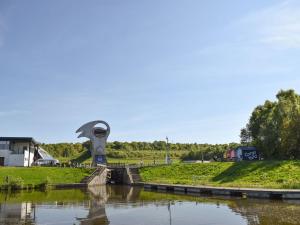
(247, 153)
(17, 151)
(230, 154)
(20, 151)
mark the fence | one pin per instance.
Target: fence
(109, 165)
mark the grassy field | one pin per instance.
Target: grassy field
(41, 175)
(260, 174)
(134, 160)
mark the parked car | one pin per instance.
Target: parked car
(43, 162)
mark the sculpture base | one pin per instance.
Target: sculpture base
(99, 159)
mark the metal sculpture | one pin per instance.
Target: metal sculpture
(98, 137)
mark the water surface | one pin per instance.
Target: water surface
(124, 205)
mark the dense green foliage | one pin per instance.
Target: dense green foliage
(274, 127)
(208, 152)
(42, 175)
(64, 149)
(139, 150)
(264, 174)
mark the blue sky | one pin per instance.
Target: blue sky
(189, 70)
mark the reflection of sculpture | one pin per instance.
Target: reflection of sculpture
(97, 214)
(98, 137)
(111, 195)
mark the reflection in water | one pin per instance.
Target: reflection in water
(268, 212)
(96, 213)
(125, 205)
(16, 213)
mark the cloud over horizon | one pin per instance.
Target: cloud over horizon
(277, 26)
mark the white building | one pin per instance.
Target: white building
(17, 151)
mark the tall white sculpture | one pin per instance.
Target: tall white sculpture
(98, 137)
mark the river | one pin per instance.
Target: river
(125, 205)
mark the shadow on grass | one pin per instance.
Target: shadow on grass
(82, 157)
(241, 169)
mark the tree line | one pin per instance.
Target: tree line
(274, 127)
(210, 152)
(135, 149)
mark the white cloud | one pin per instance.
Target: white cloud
(277, 26)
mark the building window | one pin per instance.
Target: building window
(4, 145)
(24, 149)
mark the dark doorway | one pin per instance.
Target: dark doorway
(1, 161)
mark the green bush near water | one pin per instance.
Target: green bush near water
(259, 174)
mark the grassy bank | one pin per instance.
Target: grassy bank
(262, 174)
(41, 175)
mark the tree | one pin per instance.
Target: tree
(274, 127)
(245, 136)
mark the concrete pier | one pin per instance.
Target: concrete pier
(226, 191)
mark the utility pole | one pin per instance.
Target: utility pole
(202, 155)
(168, 159)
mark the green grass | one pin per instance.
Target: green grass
(260, 174)
(40, 175)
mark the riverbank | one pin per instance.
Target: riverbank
(40, 176)
(259, 174)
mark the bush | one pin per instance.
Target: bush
(14, 182)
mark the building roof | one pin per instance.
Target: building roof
(44, 154)
(247, 148)
(20, 139)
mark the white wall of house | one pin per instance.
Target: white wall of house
(18, 156)
(5, 154)
(29, 157)
(16, 160)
